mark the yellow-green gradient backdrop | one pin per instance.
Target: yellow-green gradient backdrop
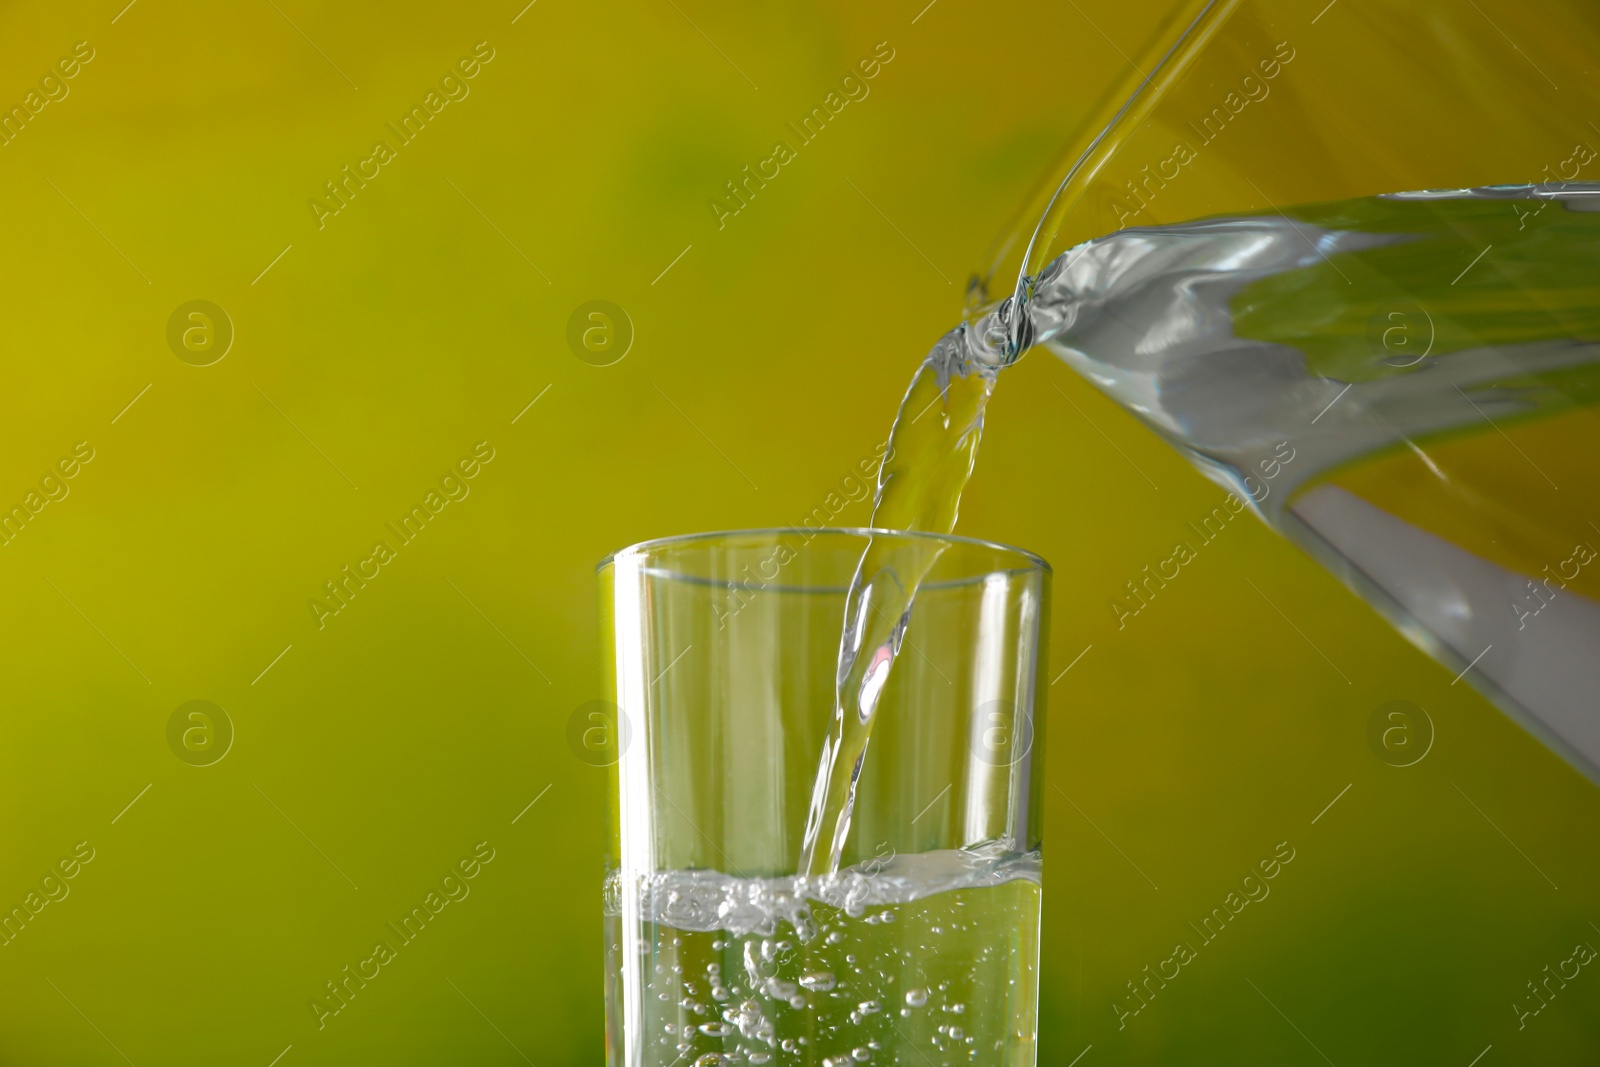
(370, 355)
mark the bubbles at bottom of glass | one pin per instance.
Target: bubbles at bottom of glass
(924, 959)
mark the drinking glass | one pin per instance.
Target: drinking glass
(720, 674)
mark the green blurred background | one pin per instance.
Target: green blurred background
(371, 755)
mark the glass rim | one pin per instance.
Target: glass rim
(639, 548)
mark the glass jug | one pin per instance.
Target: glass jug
(1346, 258)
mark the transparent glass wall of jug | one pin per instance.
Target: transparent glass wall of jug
(1346, 258)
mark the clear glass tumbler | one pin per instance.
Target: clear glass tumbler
(720, 672)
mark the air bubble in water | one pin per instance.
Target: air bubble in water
(748, 1019)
